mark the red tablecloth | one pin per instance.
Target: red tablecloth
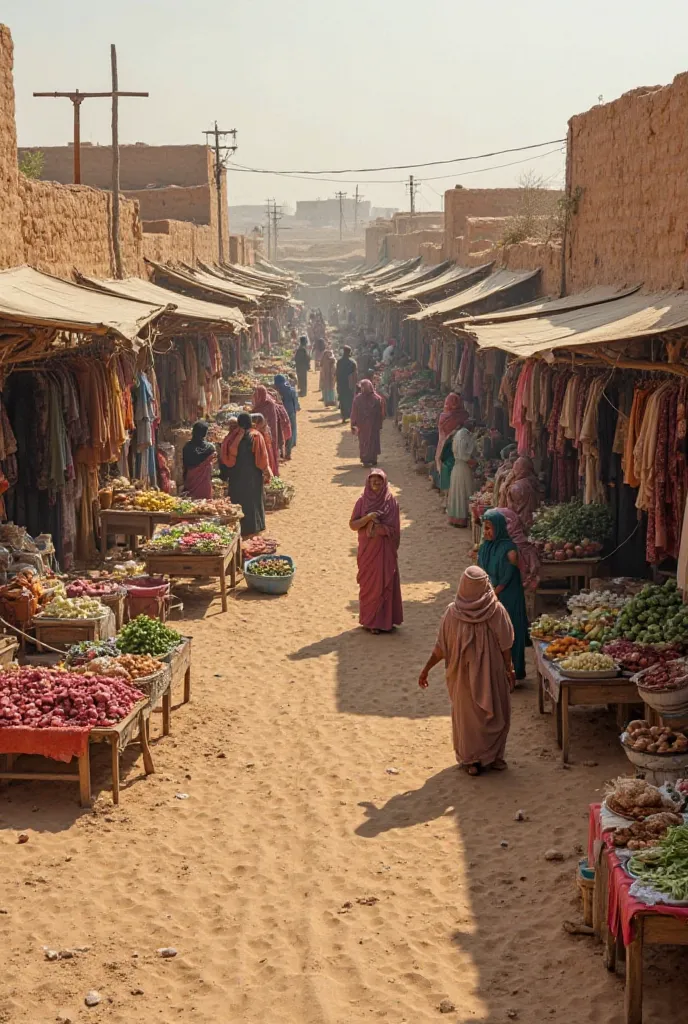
(621, 906)
(60, 744)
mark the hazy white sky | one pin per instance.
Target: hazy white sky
(315, 84)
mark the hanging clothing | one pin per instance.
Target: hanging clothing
(380, 605)
(493, 557)
(367, 418)
(474, 633)
(461, 484)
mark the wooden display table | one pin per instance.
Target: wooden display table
(199, 566)
(624, 924)
(179, 661)
(127, 522)
(567, 693)
(572, 570)
(133, 728)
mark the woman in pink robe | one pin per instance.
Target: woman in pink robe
(474, 641)
(367, 417)
(266, 405)
(528, 559)
(376, 519)
(522, 491)
(198, 456)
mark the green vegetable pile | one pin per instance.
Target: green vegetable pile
(656, 615)
(573, 523)
(665, 866)
(147, 636)
(271, 567)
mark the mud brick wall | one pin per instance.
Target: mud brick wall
(407, 246)
(171, 241)
(630, 159)
(10, 229)
(525, 256)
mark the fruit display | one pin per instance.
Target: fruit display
(546, 628)
(563, 646)
(241, 382)
(147, 636)
(655, 739)
(636, 798)
(254, 546)
(641, 835)
(208, 507)
(666, 675)
(591, 625)
(665, 867)
(588, 661)
(125, 570)
(633, 657)
(592, 600)
(656, 615)
(143, 501)
(92, 588)
(73, 608)
(54, 698)
(88, 650)
(272, 567)
(203, 537)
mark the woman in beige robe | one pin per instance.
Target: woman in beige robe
(474, 641)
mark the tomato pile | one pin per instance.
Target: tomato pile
(50, 698)
(92, 588)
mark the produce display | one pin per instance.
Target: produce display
(665, 867)
(272, 567)
(564, 646)
(279, 486)
(592, 600)
(88, 650)
(92, 588)
(636, 798)
(207, 538)
(125, 666)
(655, 739)
(52, 698)
(591, 625)
(258, 545)
(104, 666)
(571, 530)
(546, 628)
(588, 661)
(667, 675)
(208, 507)
(642, 835)
(147, 636)
(143, 501)
(634, 657)
(73, 608)
(656, 615)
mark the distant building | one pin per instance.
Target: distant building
(385, 212)
(324, 213)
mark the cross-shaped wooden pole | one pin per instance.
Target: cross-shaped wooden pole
(77, 98)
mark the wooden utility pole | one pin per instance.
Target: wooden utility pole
(341, 197)
(223, 151)
(276, 216)
(269, 216)
(357, 199)
(77, 98)
(413, 186)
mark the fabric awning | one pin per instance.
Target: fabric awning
(222, 291)
(234, 274)
(454, 278)
(418, 276)
(634, 316)
(501, 286)
(185, 307)
(546, 306)
(28, 296)
(386, 273)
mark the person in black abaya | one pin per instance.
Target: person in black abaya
(244, 463)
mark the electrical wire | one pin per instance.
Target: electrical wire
(409, 167)
(241, 169)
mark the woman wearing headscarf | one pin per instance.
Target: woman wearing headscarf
(509, 454)
(528, 560)
(302, 362)
(474, 641)
(266, 405)
(498, 556)
(376, 520)
(452, 417)
(522, 491)
(244, 457)
(461, 483)
(346, 374)
(291, 404)
(367, 417)
(327, 377)
(198, 456)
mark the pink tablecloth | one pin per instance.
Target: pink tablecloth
(60, 744)
(621, 906)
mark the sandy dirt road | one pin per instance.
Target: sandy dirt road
(302, 882)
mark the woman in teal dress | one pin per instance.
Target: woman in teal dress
(498, 556)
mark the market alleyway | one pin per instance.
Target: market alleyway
(330, 865)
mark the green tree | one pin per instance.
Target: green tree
(32, 163)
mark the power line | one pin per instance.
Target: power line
(240, 169)
(409, 167)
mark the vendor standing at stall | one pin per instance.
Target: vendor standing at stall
(522, 491)
(291, 404)
(265, 404)
(347, 374)
(461, 482)
(302, 361)
(198, 456)
(244, 457)
(498, 556)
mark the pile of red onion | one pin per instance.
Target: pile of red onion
(49, 698)
(634, 657)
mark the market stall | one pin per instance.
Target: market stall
(199, 550)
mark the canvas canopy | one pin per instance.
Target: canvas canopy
(419, 275)
(184, 307)
(500, 286)
(185, 278)
(455, 278)
(547, 306)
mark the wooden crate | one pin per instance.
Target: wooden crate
(63, 633)
(8, 649)
(199, 566)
